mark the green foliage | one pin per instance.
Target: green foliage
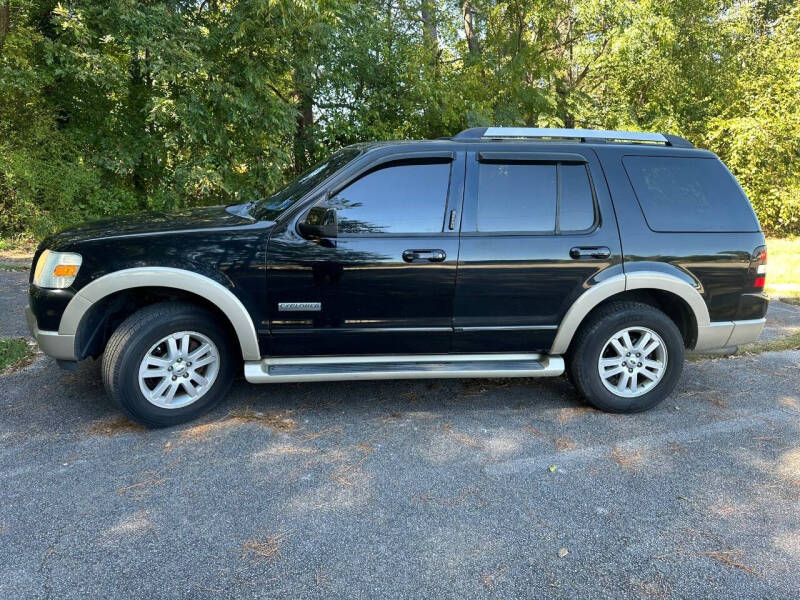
(113, 106)
(757, 131)
(14, 353)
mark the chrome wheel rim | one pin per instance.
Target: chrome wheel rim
(179, 369)
(633, 362)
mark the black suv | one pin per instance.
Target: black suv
(501, 252)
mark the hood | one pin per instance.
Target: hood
(155, 223)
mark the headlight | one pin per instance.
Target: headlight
(56, 269)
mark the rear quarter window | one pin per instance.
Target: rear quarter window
(689, 194)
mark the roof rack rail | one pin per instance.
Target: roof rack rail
(583, 135)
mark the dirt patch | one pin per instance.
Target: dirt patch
(17, 250)
(268, 546)
(572, 412)
(114, 426)
(627, 459)
(789, 403)
(278, 421)
(564, 444)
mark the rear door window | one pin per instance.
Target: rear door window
(689, 194)
(517, 197)
(534, 197)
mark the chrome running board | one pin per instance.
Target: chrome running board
(407, 366)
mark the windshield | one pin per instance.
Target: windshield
(269, 208)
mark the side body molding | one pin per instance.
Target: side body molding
(165, 277)
(633, 281)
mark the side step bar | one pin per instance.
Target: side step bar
(409, 366)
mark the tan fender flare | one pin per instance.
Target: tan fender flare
(165, 277)
(617, 284)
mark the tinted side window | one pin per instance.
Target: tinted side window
(401, 198)
(525, 197)
(689, 194)
(517, 197)
(576, 211)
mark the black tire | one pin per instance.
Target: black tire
(592, 338)
(133, 339)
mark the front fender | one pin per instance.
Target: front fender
(165, 277)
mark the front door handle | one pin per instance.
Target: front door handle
(411, 256)
(589, 252)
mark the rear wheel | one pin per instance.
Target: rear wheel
(167, 364)
(627, 358)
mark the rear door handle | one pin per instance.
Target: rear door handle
(589, 252)
(411, 256)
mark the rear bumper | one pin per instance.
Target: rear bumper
(51, 343)
(723, 334)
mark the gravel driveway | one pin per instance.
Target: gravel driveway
(405, 489)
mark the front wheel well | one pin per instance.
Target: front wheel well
(675, 307)
(103, 318)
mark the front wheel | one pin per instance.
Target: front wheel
(627, 358)
(167, 364)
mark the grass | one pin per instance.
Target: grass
(783, 270)
(14, 354)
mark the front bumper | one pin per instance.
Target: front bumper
(51, 343)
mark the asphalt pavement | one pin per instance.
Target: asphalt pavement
(404, 489)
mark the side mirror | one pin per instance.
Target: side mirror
(319, 222)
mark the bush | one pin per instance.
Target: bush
(41, 191)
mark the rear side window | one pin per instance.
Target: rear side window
(397, 199)
(534, 197)
(689, 194)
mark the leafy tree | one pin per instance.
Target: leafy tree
(111, 106)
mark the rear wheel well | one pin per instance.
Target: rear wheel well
(103, 318)
(670, 304)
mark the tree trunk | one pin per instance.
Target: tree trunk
(468, 12)
(430, 31)
(562, 105)
(302, 134)
(5, 22)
